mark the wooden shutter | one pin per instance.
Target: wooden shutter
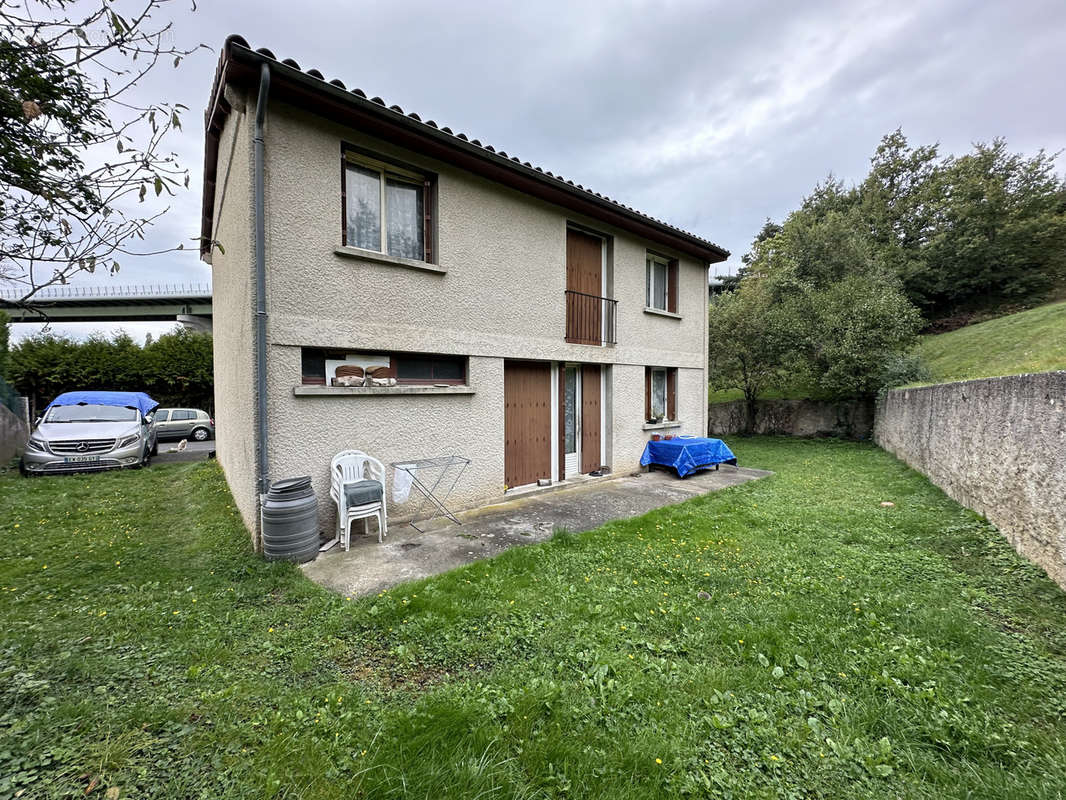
(647, 393)
(427, 210)
(671, 286)
(671, 394)
(344, 199)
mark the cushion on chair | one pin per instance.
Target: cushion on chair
(362, 493)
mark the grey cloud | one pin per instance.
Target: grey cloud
(712, 116)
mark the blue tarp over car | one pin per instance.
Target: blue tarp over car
(139, 400)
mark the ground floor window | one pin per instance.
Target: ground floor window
(660, 394)
(323, 367)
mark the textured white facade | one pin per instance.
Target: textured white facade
(499, 295)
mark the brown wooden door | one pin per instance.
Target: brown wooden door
(584, 284)
(590, 418)
(526, 422)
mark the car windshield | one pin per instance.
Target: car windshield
(87, 412)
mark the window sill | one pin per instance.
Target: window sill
(659, 426)
(309, 390)
(382, 258)
(661, 313)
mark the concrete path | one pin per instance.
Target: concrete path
(407, 555)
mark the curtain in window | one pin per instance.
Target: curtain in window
(657, 284)
(363, 191)
(658, 393)
(404, 224)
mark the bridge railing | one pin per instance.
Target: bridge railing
(103, 291)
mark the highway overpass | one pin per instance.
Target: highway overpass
(187, 303)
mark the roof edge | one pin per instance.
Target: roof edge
(238, 64)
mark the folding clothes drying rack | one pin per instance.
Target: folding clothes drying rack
(430, 476)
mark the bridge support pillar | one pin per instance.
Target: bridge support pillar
(194, 323)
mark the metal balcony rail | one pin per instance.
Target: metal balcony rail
(100, 292)
(590, 319)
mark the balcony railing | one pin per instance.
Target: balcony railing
(590, 318)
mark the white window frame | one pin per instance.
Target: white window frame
(385, 171)
(651, 262)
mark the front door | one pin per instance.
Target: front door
(527, 420)
(584, 287)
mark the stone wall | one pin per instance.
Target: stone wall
(850, 419)
(997, 446)
(13, 434)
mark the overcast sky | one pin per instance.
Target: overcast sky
(712, 116)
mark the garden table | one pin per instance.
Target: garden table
(688, 455)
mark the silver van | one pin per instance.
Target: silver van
(184, 423)
(85, 431)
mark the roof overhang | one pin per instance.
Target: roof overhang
(240, 66)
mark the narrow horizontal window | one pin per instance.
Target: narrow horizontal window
(365, 368)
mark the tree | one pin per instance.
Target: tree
(76, 147)
(754, 332)
(5, 342)
(176, 369)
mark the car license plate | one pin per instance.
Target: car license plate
(81, 459)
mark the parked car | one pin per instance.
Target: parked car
(184, 423)
(82, 431)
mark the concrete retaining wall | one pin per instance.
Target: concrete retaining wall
(997, 446)
(851, 419)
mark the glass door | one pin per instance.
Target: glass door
(571, 421)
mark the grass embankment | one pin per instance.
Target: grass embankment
(846, 650)
(1029, 341)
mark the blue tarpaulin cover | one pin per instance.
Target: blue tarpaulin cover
(138, 400)
(687, 455)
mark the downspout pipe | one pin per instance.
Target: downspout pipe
(260, 277)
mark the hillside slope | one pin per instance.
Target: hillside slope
(1030, 341)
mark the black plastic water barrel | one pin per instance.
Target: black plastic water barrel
(290, 521)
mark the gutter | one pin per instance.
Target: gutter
(260, 277)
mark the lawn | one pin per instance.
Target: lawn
(846, 650)
(1029, 341)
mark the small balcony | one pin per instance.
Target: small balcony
(590, 319)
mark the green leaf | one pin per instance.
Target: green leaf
(764, 660)
(158, 186)
(802, 662)
(778, 673)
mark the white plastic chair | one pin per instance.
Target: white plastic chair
(352, 466)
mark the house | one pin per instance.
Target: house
(520, 320)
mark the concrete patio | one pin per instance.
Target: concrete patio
(408, 555)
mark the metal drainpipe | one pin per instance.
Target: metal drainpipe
(260, 278)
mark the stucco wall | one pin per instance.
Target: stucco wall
(504, 252)
(850, 419)
(232, 274)
(997, 446)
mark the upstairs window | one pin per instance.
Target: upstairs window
(661, 283)
(387, 208)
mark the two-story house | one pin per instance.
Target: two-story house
(530, 324)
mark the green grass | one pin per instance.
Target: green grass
(847, 650)
(1029, 341)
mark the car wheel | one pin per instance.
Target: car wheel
(25, 473)
(155, 447)
(201, 434)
